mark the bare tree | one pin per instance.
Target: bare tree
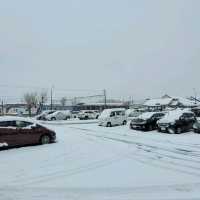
(63, 101)
(31, 100)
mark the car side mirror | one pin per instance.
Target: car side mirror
(33, 127)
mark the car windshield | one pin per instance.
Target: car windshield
(146, 115)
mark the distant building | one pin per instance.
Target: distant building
(167, 101)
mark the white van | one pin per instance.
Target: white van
(113, 117)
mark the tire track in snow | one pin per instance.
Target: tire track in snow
(180, 151)
(142, 146)
(76, 170)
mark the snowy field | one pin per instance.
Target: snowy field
(91, 162)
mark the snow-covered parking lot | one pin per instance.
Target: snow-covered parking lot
(92, 162)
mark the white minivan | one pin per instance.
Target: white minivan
(113, 117)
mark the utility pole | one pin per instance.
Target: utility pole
(105, 98)
(2, 107)
(195, 95)
(52, 98)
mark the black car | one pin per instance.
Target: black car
(177, 121)
(146, 121)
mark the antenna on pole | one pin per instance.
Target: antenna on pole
(105, 98)
(52, 87)
(195, 95)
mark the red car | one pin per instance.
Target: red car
(18, 131)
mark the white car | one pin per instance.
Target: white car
(43, 115)
(88, 114)
(113, 117)
(59, 115)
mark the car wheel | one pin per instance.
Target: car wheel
(196, 131)
(45, 139)
(53, 119)
(171, 130)
(124, 122)
(109, 124)
(178, 130)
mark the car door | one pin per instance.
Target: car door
(5, 133)
(92, 115)
(183, 122)
(27, 132)
(190, 119)
(118, 117)
(113, 118)
(10, 133)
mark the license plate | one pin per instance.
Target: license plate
(163, 128)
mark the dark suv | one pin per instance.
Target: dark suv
(177, 121)
(146, 121)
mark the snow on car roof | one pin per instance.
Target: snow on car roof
(15, 118)
(107, 112)
(173, 115)
(147, 115)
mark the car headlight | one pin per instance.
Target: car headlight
(195, 126)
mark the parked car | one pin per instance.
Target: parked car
(59, 115)
(43, 115)
(146, 121)
(88, 114)
(113, 117)
(177, 121)
(19, 131)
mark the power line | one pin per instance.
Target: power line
(47, 88)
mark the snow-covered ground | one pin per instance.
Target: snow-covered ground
(91, 162)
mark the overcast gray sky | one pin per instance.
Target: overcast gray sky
(142, 48)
